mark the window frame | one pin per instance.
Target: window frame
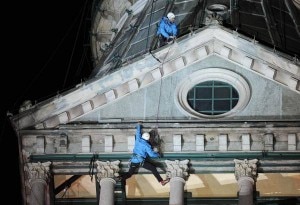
(212, 74)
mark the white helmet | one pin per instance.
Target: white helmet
(171, 15)
(146, 136)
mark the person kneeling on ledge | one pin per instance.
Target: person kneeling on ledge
(167, 30)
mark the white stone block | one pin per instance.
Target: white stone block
(177, 143)
(40, 144)
(173, 65)
(194, 55)
(122, 90)
(86, 144)
(223, 143)
(267, 71)
(52, 122)
(201, 52)
(168, 68)
(200, 143)
(130, 143)
(108, 147)
(156, 74)
(75, 111)
(63, 117)
(190, 57)
(247, 62)
(292, 144)
(178, 63)
(86, 106)
(133, 85)
(110, 95)
(225, 52)
(269, 141)
(98, 100)
(246, 142)
(286, 79)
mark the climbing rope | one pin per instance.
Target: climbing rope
(149, 25)
(92, 166)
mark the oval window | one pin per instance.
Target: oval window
(212, 93)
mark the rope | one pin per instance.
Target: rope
(79, 27)
(150, 20)
(92, 166)
(160, 86)
(25, 91)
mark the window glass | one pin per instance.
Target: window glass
(212, 97)
(76, 186)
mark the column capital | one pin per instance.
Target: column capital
(177, 168)
(107, 169)
(245, 168)
(37, 171)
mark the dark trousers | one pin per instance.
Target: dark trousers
(163, 41)
(147, 165)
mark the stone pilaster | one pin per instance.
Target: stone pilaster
(106, 172)
(37, 180)
(177, 171)
(246, 175)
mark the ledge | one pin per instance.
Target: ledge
(170, 156)
(200, 163)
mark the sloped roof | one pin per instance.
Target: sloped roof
(132, 27)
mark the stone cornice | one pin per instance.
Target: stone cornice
(199, 163)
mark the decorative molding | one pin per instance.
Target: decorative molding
(177, 168)
(37, 171)
(245, 168)
(107, 169)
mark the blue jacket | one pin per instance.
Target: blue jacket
(142, 149)
(167, 28)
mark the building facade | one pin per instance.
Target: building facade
(222, 108)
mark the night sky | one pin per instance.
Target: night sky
(46, 52)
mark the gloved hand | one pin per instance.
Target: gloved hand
(171, 39)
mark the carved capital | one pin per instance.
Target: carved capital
(107, 169)
(177, 168)
(245, 168)
(37, 171)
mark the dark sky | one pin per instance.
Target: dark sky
(46, 51)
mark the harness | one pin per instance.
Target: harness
(134, 155)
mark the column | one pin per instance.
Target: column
(106, 172)
(177, 171)
(246, 175)
(37, 180)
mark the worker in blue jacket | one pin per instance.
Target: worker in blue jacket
(167, 30)
(142, 151)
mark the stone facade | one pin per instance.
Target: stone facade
(90, 128)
